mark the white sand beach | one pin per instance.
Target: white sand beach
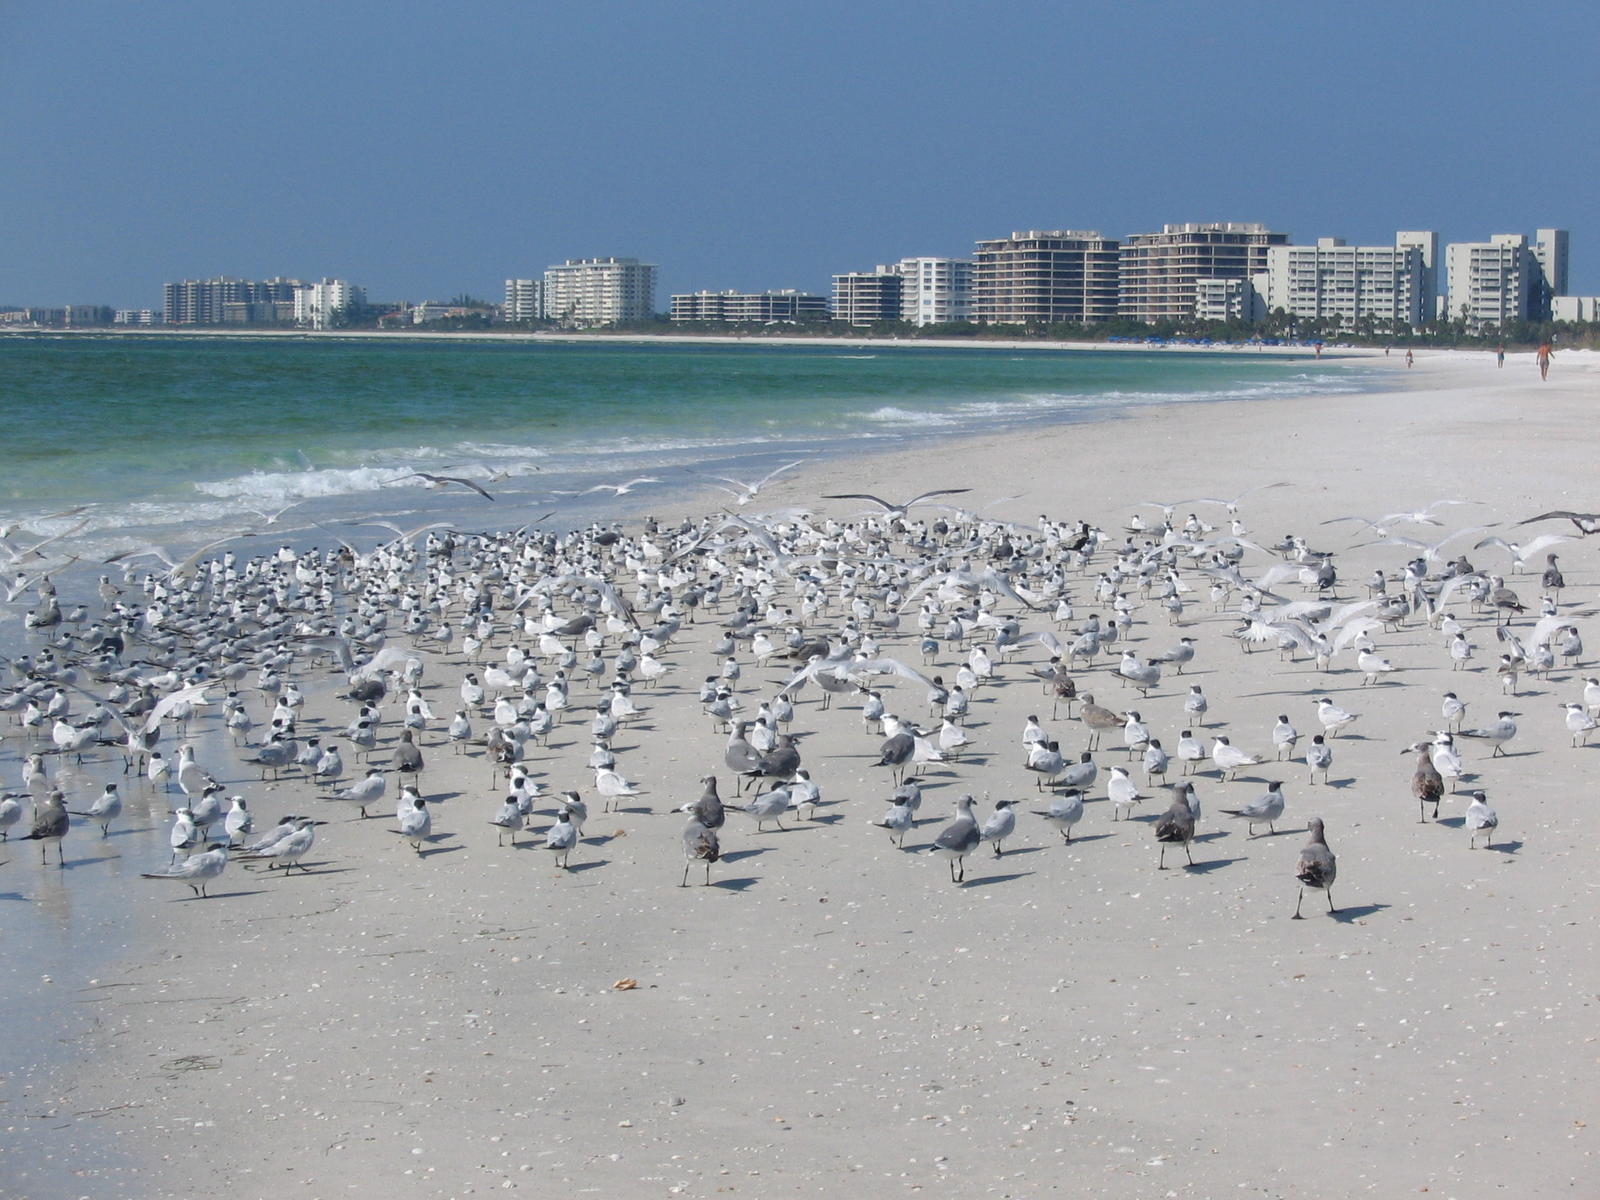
(833, 1016)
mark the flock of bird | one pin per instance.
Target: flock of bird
(912, 618)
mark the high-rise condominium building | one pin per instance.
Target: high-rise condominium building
(1550, 254)
(1491, 283)
(316, 304)
(920, 291)
(868, 297)
(203, 301)
(1159, 270)
(584, 292)
(935, 291)
(749, 307)
(1331, 281)
(524, 300)
(1045, 277)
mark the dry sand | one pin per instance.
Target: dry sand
(834, 1017)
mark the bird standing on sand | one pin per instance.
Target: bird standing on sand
(1427, 785)
(1317, 867)
(700, 844)
(1175, 825)
(50, 824)
(999, 825)
(561, 837)
(1481, 818)
(197, 870)
(1065, 811)
(108, 807)
(288, 851)
(1333, 717)
(1266, 808)
(415, 823)
(958, 839)
(1501, 732)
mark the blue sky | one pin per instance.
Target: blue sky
(424, 149)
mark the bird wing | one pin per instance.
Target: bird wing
(167, 703)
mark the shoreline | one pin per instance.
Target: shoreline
(449, 1025)
(690, 339)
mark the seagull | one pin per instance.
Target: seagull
(1333, 717)
(1121, 791)
(1228, 759)
(1175, 825)
(700, 844)
(197, 870)
(1427, 784)
(1319, 757)
(1284, 736)
(363, 793)
(1317, 867)
(50, 824)
(561, 837)
(896, 511)
(108, 807)
(438, 481)
(620, 489)
(1481, 817)
(1065, 811)
(959, 839)
(1501, 732)
(897, 820)
(415, 823)
(1586, 523)
(749, 491)
(288, 850)
(508, 820)
(1268, 808)
(1579, 722)
(999, 825)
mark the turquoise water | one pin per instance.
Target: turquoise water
(175, 438)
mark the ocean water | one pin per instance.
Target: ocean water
(181, 440)
(114, 443)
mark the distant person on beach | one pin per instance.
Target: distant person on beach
(1543, 359)
(1409, 360)
(1500, 355)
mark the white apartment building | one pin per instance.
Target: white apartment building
(1226, 300)
(1490, 283)
(868, 297)
(583, 292)
(524, 300)
(1575, 308)
(1158, 272)
(1331, 281)
(934, 291)
(315, 303)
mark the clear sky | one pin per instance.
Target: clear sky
(424, 149)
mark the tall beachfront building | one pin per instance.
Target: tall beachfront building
(1491, 283)
(1550, 254)
(316, 303)
(228, 301)
(868, 297)
(1426, 241)
(761, 308)
(935, 291)
(524, 300)
(919, 291)
(583, 292)
(1331, 281)
(1044, 277)
(1160, 271)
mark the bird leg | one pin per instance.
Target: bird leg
(1297, 901)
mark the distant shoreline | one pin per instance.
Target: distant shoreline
(703, 339)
